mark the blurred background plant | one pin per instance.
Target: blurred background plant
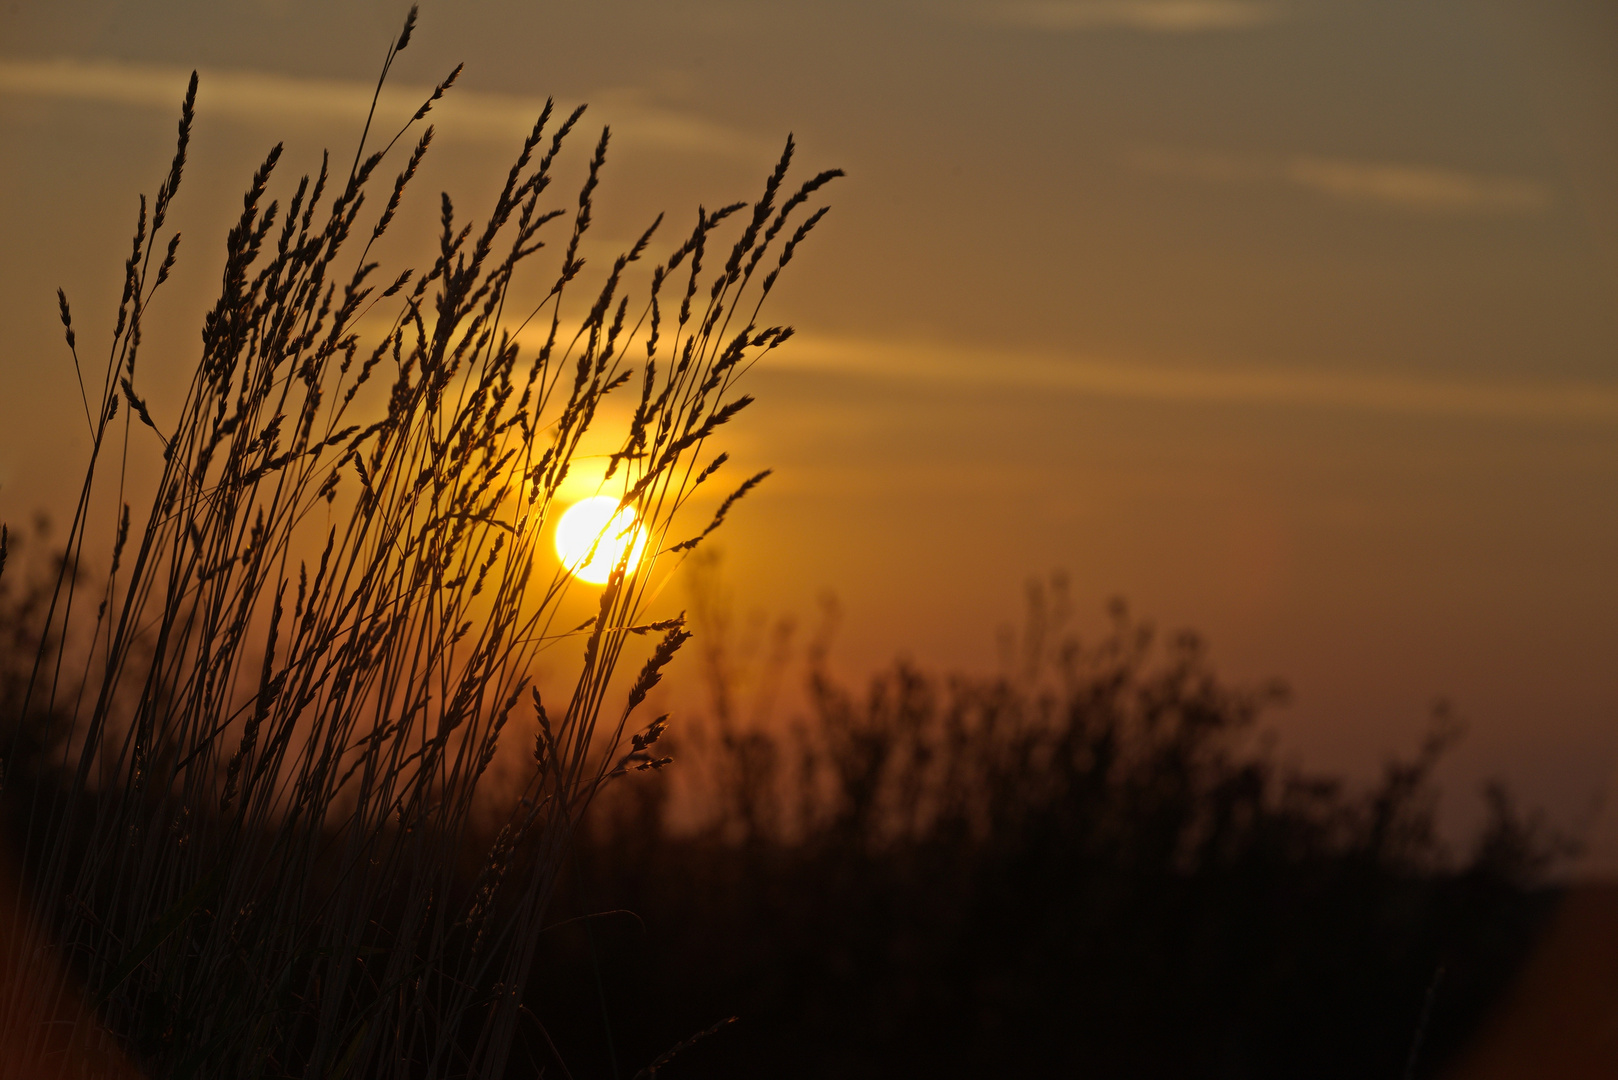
(1091, 864)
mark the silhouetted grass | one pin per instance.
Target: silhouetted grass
(245, 738)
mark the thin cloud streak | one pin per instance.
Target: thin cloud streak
(1559, 402)
(1152, 16)
(1418, 187)
(261, 97)
(1401, 186)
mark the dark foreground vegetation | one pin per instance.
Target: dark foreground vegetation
(1095, 871)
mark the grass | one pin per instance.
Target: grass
(247, 743)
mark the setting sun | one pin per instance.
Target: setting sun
(592, 536)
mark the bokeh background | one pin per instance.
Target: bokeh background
(1292, 321)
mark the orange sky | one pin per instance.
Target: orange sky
(1293, 322)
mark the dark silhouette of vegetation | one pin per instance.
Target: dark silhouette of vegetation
(1088, 869)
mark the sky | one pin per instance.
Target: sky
(1291, 322)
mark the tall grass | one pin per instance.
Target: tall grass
(245, 754)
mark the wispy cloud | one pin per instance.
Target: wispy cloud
(1408, 187)
(1360, 392)
(1418, 187)
(1152, 16)
(261, 96)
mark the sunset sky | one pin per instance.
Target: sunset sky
(1293, 322)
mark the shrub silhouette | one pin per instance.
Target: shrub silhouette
(1087, 869)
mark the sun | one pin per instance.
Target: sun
(592, 536)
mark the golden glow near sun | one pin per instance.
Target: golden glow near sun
(592, 524)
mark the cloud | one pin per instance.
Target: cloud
(264, 97)
(1412, 188)
(1153, 16)
(1344, 390)
(1418, 187)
